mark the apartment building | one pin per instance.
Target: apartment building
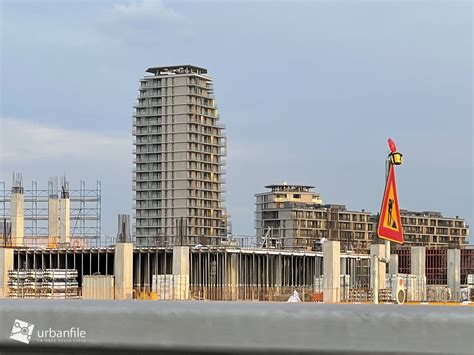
(434, 229)
(292, 216)
(179, 156)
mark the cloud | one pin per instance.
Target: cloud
(144, 22)
(26, 141)
(146, 9)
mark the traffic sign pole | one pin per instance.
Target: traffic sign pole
(389, 226)
(387, 242)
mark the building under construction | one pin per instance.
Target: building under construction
(293, 216)
(52, 216)
(125, 271)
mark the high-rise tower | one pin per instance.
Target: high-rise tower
(179, 152)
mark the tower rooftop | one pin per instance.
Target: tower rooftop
(287, 187)
(177, 69)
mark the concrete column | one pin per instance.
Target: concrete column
(6, 264)
(278, 269)
(53, 218)
(393, 264)
(180, 260)
(181, 272)
(379, 251)
(418, 260)
(123, 271)
(331, 269)
(343, 268)
(454, 273)
(233, 277)
(64, 220)
(17, 217)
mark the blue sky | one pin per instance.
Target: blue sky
(309, 92)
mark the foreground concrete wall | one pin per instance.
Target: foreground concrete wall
(236, 327)
(123, 271)
(6, 264)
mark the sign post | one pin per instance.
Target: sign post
(390, 225)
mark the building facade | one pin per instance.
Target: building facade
(292, 216)
(433, 229)
(179, 154)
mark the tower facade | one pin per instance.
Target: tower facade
(179, 153)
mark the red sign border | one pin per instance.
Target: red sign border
(390, 234)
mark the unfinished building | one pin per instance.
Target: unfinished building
(292, 216)
(49, 217)
(179, 152)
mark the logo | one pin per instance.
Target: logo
(22, 331)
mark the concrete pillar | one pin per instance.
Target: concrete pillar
(278, 269)
(418, 259)
(181, 272)
(343, 266)
(233, 277)
(17, 216)
(180, 260)
(331, 271)
(379, 251)
(393, 264)
(53, 218)
(64, 220)
(454, 273)
(123, 271)
(6, 264)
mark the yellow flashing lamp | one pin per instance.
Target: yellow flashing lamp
(396, 158)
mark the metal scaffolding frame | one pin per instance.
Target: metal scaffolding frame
(85, 211)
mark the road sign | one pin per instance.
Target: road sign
(390, 225)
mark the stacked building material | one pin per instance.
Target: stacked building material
(39, 283)
(171, 287)
(415, 286)
(98, 287)
(436, 293)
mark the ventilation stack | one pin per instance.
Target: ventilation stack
(17, 210)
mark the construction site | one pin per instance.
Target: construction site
(57, 264)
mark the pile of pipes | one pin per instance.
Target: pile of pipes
(42, 283)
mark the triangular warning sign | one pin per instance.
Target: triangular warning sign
(390, 225)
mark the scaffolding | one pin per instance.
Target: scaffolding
(85, 210)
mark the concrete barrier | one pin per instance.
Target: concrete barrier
(234, 327)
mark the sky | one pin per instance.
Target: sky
(309, 92)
